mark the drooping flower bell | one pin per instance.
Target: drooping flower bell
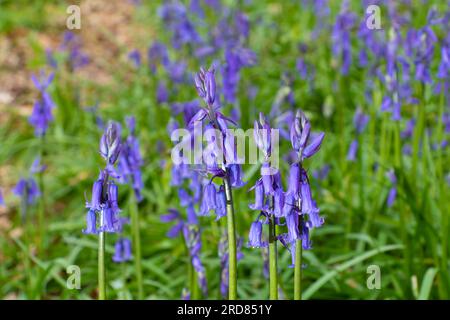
(221, 210)
(208, 200)
(91, 223)
(259, 196)
(255, 235)
(122, 250)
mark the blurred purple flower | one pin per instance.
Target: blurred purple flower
(41, 115)
(122, 250)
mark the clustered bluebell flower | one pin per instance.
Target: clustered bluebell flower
(341, 42)
(104, 199)
(295, 205)
(41, 115)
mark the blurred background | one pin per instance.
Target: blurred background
(380, 179)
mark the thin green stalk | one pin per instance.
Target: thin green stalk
(298, 270)
(136, 244)
(418, 132)
(231, 227)
(273, 273)
(444, 278)
(41, 209)
(27, 259)
(101, 265)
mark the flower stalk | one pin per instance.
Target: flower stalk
(232, 250)
(273, 264)
(137, 244)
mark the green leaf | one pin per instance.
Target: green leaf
(333, 273)
(425, 289)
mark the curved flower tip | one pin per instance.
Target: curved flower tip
(300, 131)
(205, 84)
(172, 215)
(110, 143)
(199, 116)
(314, 146)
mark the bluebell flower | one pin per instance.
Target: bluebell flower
(322, 173)
(157, 53)
(27, 189)
(292, 220)
(104, 191)
(278, 203)
(91, 223)
(162, 95)
(130, 161)
(135, 57)
(71, 44)
(294, 181)
(208, 200)
(41, 115)
(185, 294)
(221, 210)
(254, 238)
(393, 190)
(303, 141)
(122, 250)
(108, 220)
(351, 154)
(259, 196)
(235, 176)
(341, 42)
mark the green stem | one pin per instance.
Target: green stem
(273, 274)
(298, 270)
(41, 211)
(136, 244)
(444, 283)
(101, 265)
(232, 260)
(416, 142)
(27, 254)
